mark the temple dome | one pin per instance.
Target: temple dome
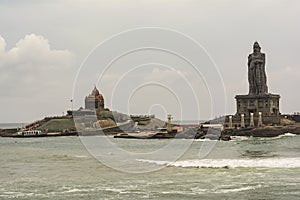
(95, 91)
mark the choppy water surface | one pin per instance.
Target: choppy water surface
(61, 168)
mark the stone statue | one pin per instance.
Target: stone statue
(256, 71)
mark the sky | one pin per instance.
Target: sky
(185, 58)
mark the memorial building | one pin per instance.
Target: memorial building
(94, 100)
(258, 107)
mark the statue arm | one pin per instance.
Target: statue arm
(263, 57)
(249, 60)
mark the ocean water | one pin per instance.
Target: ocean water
(62, 168)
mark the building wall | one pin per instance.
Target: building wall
(267, 104)
(93, 103)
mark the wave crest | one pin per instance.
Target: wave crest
(231, 163)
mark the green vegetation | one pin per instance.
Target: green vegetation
(105, 119)
(58, 125)
(113, 115)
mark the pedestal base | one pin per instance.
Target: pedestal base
(267, 104)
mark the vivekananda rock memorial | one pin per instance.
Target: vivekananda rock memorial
(94, 100)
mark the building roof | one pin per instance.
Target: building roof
(94, 95)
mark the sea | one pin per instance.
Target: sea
(67, 168)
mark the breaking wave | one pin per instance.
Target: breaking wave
(232, 163)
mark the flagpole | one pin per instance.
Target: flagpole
(72, 105)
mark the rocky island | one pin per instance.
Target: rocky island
(257, 115)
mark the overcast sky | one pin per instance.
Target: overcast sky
(44, 43)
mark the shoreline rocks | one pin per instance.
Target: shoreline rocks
(197, 133)
(267, 131)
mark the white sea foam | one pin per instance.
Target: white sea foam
(284, 136)
(237, 189)
(80, 156)
(77, 190)
(203, 140)
(234, 138)
(232, 163)
(198, 191)
(240, 138)
(289, 134)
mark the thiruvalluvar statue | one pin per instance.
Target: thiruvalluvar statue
(256, 71)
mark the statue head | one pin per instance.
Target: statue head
(256, 47)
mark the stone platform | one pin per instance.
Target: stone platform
(266, 104)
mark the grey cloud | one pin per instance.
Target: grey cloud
(30, 63)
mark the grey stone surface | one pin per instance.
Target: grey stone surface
(267, 104)
(258, 99)
(256, 71)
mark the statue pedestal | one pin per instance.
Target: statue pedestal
(267, 104)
